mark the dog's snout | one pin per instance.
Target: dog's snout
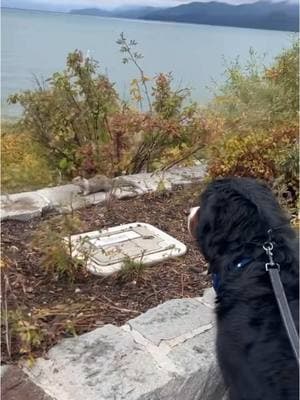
(193, 220)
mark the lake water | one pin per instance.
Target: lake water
(38, 43)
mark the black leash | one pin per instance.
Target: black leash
(286, 315)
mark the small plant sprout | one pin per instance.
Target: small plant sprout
(132, 270)
(127, 48)
(27, 331)
(53, 239)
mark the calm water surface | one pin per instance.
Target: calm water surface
(38, 43)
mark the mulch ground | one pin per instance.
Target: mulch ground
(58, 308)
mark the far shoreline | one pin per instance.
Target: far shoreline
(141, 20)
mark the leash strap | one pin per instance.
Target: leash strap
(286, 315)
(285, 311)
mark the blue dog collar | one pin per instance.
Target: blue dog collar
(216, 278)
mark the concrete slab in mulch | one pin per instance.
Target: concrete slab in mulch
(16, 385)
(23, 206)
(172, 319)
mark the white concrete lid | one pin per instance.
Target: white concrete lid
(141, 242)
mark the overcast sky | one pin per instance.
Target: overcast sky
(65, 5)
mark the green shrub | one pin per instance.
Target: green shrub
(53, 241)
(71, 112)
(26, 331)
(131, 270)
(254, 97)
(25, 165)
(168, 102)
(259, 108)
(79, 119)
(272, 156)
(284, 74)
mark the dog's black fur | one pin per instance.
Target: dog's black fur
(253, 349)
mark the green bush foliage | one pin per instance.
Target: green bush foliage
(25, 165)
(86, 129)
(131, 270)
(256, 97)
(71, 112)
(284, 75)
(77, 118)
(53, 241)
(261, 127)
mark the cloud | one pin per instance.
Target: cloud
(67, 4)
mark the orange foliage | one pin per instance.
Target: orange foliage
(258, 154)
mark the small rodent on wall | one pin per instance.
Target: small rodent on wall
(101, 183)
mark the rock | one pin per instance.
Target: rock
(64, 198)
(168, 353)
(23, 206)
(149, 182)
(185, 176)
(208, 298)
(196, 356)
(67, 197)
(104, 364)
(3, 369)
(172, 319)
(60, 196)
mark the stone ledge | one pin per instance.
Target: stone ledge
(171, 320)
(168, 353)
(28, 205)
(23, 206)
(208, 299)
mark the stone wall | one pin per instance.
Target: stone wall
(167, 353)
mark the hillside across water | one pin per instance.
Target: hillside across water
(260, 15)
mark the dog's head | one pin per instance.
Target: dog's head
(234, 214)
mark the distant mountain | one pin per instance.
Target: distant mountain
(134, 12)
(92, 11)
(120, 12)
(282, 15)
(261, 15)
(35, 5)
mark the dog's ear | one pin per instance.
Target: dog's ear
(226, 218)
(236, 215)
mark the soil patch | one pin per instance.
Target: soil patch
(58, 308)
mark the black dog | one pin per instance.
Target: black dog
(253, 349)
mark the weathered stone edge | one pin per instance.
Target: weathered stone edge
(64, 198)
(158, 352)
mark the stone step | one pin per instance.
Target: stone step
(167, 353)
